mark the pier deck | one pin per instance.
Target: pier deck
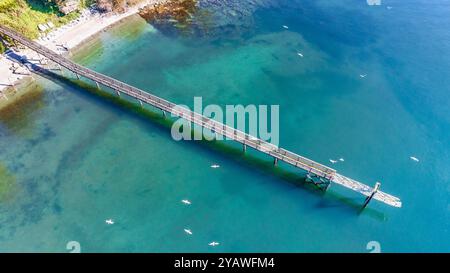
(319, 174)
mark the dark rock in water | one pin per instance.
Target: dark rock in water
(235, 12)
(174, 10)
(211, 18)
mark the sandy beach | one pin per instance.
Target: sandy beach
(60, 40)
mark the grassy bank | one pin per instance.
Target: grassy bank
(25, 15)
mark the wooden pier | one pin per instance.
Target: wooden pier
(318, 174)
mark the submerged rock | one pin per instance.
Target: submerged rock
(204, 17)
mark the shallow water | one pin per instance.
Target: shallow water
(77, 160)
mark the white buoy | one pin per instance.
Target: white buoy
(213, 244)
(109, 221)
(185, 201)
(188, 231)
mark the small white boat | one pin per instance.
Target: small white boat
(213, 244)
(333, 161)
(188, 231)
(300, 54)
(363, 75)
(109, 221)
(286, 27)
(341, 159)
(185, 201)
(215, 166)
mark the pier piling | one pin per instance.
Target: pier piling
(374, 191)
(60, 69)
(12, 84)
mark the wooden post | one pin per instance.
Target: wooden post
(275, 161)
(29, 71)
(12, 84)
(59, 67)
(244, 148)
(43, 64)
(368, 198)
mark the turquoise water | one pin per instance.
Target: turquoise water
(77, 160)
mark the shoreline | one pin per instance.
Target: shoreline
(63, 40)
